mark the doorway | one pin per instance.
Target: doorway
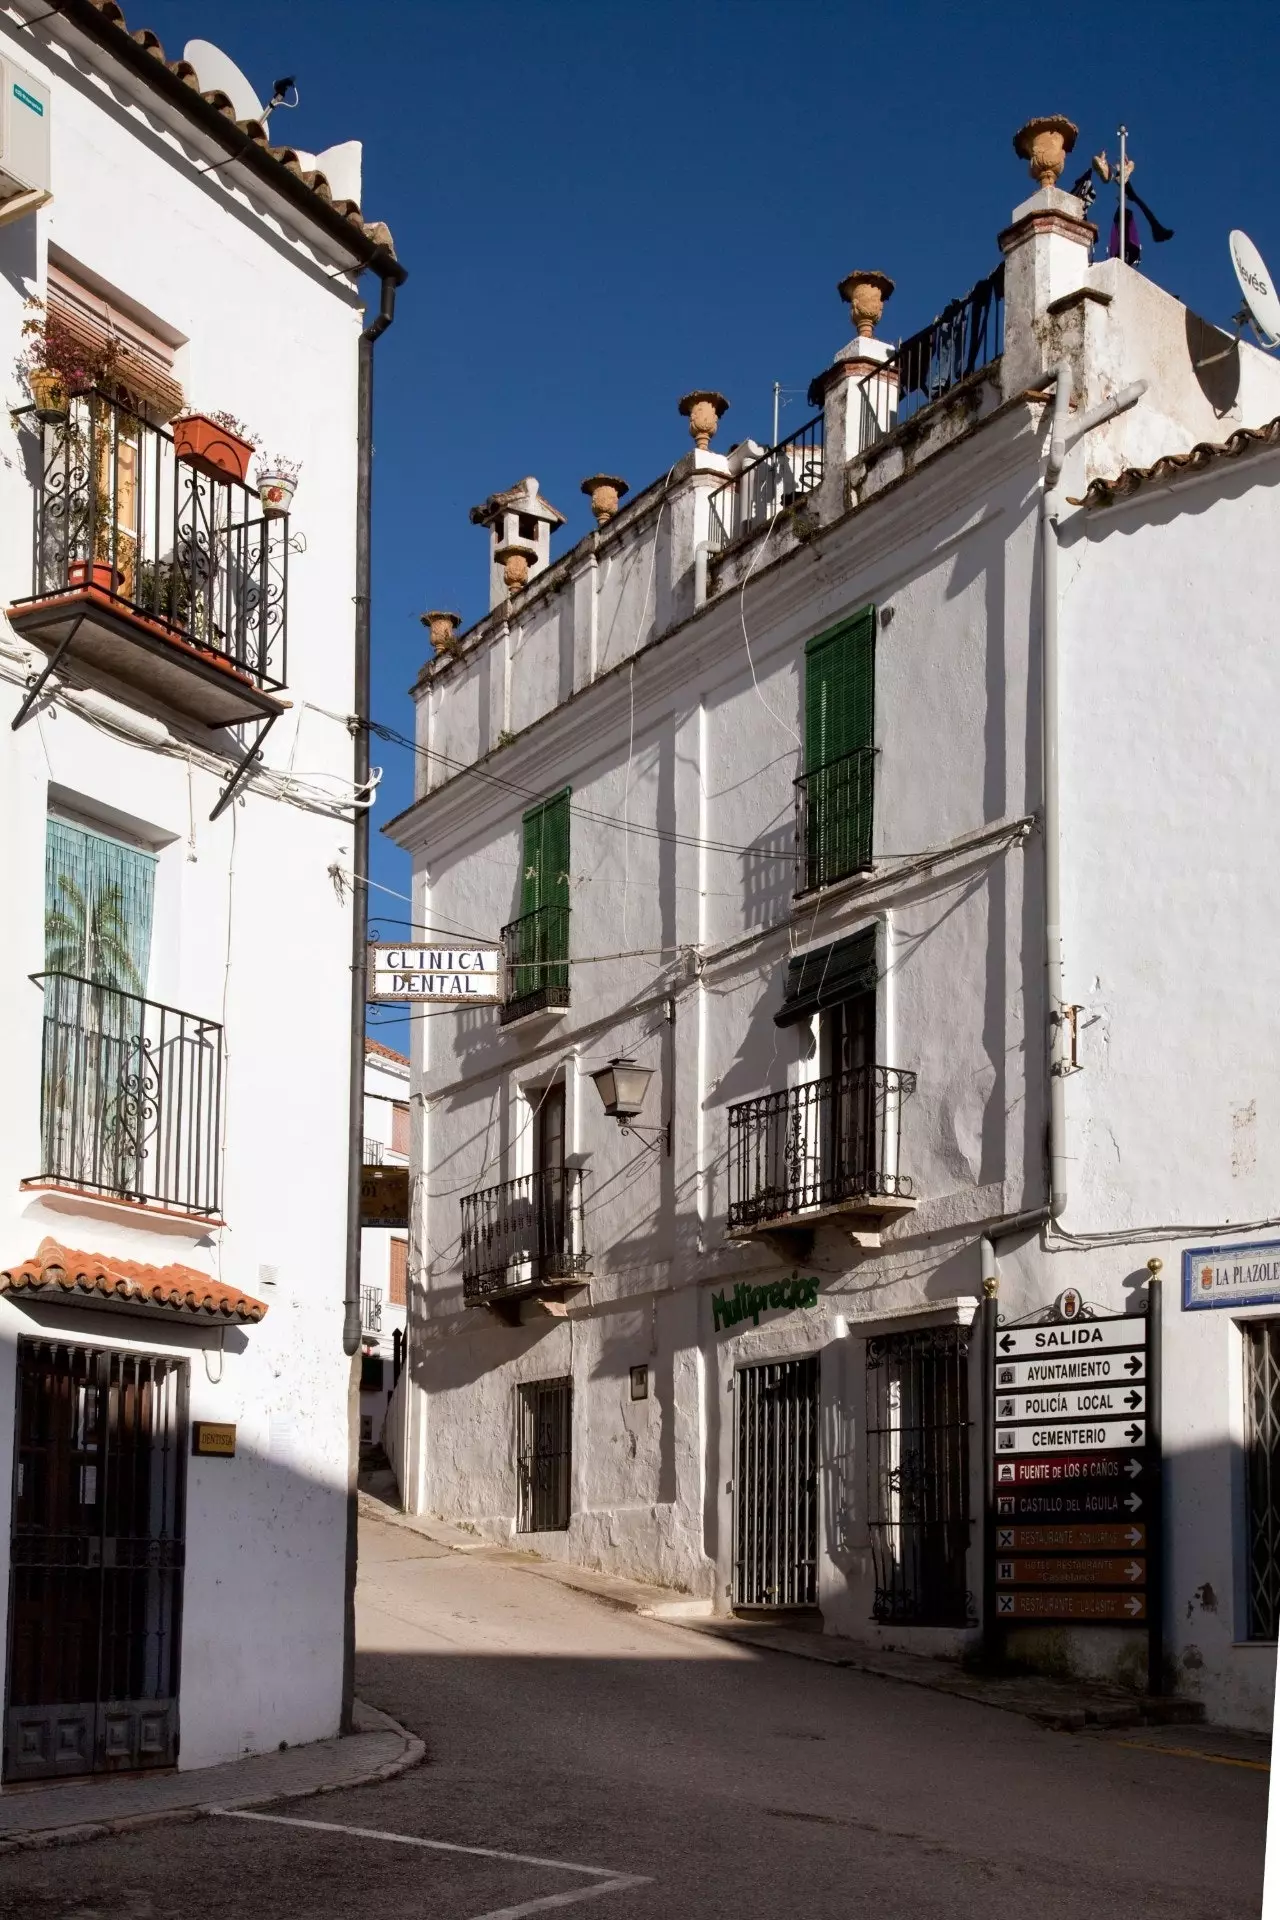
(775, 1481)
(95, 1562)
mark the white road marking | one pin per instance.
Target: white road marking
(608, 1879)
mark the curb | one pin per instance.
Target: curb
(35, 1839)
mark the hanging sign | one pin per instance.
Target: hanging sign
(384, 1196)
(460, 976)
(1231, 1276)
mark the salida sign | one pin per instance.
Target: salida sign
(463, 976)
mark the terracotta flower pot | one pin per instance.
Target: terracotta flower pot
(92, 573)
(211, 449)
(704, 410)
(276, 491)
(604, 491)
(442, 626)
(49, 391)
(1044, 144)
(866, 290)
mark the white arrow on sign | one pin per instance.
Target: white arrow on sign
(1133, 1605)
(1072, 1436)
(1075, 1337)
(1133, 1501)
(1133, 1570)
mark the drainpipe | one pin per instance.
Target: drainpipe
(1050, 508)
(359, 940)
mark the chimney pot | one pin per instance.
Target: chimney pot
(604, 491)
(704, 410)
(866, 290)
(1044, 144)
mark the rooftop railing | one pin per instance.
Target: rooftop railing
(818, 1148)
(777, 479)
(966, 336)
(522, 1234)
(130, 1096)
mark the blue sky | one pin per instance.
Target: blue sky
(602, 206)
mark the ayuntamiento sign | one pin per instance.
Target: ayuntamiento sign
(462, 976)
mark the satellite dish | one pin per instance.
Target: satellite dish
(218, 73)
(1262, 305)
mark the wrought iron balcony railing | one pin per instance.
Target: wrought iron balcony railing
(522, 1235)
(819, 1148)
(371, 1310)
(130, 1096)
(140, 543)
(780, 477)
(834, 819)
(967, 335)
(373, 1152)
(535, 962)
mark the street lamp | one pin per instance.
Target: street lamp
(622, 1087)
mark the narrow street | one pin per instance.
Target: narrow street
(656, 1772)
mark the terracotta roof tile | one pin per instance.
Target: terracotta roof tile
(57, 1270)
(1179, 466)
(388, 1053)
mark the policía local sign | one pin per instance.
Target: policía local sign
(462, 976)
(1231, 1276)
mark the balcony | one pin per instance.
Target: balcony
(778, 479)
(524, 1238)
(371, 1310)
(372, 1152)
(966, 336)
(535, 963)
(153, 573)
(130, 1098)
(833, 819)
(825, 1153)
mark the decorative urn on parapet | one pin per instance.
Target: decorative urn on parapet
(704, 411)
(514, 561)
(442, 627)
(604, 490)
(1044, 144)
(866, 290)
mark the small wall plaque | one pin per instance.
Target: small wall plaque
(639, 1383)
(215, 1438)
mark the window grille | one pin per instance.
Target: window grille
(775, 1484)
(1262, 1475)
(918, 1467)
(544, 1455)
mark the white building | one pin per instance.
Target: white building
(384, 1250)
(754, 781)
(176, 971)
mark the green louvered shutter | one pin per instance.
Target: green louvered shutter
(542, 959)
(839, 722)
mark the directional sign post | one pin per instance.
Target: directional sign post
(1073, 1452)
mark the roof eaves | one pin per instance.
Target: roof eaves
(1171, 467)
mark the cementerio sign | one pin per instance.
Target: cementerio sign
(461, 975)
(748, 1303)
(1231, 1276)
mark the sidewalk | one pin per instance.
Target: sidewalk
(56, 1814)
(1175, 1725)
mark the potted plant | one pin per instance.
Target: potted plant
(54, 363)
(277, 484)
(215, 444)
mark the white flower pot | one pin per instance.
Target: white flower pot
(276, 491)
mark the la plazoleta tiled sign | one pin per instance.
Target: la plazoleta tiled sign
(1231, 1276)
(748, 1303)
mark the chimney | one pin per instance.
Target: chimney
(520, 524)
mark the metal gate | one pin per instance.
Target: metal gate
(918, 1467)
(544, 1455)
(775, 1481)
(95, 1563)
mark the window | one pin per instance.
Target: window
(98, 899)
(1262, 1476)
(918, 1471)
(528, 526)
(836, 790)
(399, 1280)
(537, 944)
(543, 1455)
(400, 1126)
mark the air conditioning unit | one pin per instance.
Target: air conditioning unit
(24, 142)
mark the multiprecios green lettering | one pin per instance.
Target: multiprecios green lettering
(748, 1303)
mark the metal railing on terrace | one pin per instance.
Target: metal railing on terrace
(834, 819)
(815, 1148)
(130, 1095)
(192, 556)
(535, 951)
(966, 336)
(777, 479)
(522, 1233)
(373, 1152)
(371, 1310)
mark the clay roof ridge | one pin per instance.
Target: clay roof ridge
(175, 1286)
(1174, 466)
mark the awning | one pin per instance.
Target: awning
(59, 1273)
(827, 976)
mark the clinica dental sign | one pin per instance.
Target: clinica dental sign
(461, 976)
(748, 1303)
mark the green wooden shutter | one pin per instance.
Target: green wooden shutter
(544, 893)
(839, 716)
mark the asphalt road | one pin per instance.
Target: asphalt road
(640, 1771)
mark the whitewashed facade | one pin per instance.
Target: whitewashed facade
(384, 1250)
(658, 673)
(174, 1142)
